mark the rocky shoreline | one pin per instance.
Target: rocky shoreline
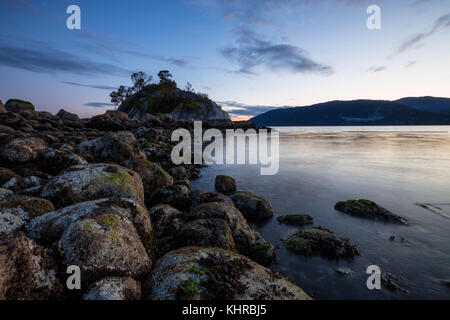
(102, 194)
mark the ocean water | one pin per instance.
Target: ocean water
(397, 167)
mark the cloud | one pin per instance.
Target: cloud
(240, 109)
(410, 64)
(376, 69)
(252, 50)
(45, 59)
(440, 24)
(89, 85)
(99, 104)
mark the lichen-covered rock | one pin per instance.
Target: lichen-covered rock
(26, 271)
(368, 209)
(252, 206)
(320, 241)
(55, 161)
(15, 105)
(200, 197)
(295, 219)
(49, 227)
(114, 288)
(248, 241)
(93, 181)
(207, 233)
(152, 175)
(105, 244)
(114, 146)
(225, 184)
(23, 150)
(9, 179)
(5, 194)
(166, 220)
(195, 273)
(177, 196)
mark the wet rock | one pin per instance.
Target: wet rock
(93, 181)
(179, 172)
(15, 105)
(105, 244)
(446, 283)
(207, 233)
(193, 273)
(252, 206)
(49, 227)
(368, 209)
(23, 150)
(26, 271)
(296, 219)
(152, 175)
(114, 146)
(343, 271)
(114, 288)
(320, 241)
(225, 184)
(177, 196)
(248, 241)
(200, 197)
(166, 220)
(392, 282)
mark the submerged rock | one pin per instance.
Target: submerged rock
(252, 206)
(114, 288)
(296, 219)
(93, 181)
(392, 282)
(320, 241)
(26, 271)
(368, 209)
(225, 184)
(195, 273)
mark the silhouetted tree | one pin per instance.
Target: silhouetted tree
(189, 87)
(164, 76)
(140, 80)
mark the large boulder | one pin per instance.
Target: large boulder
(195, 273)
(225, 184)
(200, 197)
(23, 150)
(67, 116)
(166, 220)
(114, 146)
(248, 241)
(49, 227)
(320, 241)
(177, 196)
(26, 271)
(93, 181)
(252, 206)
(152, 175)
(104, 244)
(368, 209)
(114, 288)
(15, 105)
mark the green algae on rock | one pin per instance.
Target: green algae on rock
(368, 209)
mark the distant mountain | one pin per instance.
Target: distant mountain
(351, 113)
(431, 104)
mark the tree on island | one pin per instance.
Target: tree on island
(139, 80)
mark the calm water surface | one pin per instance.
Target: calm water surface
(395, 166)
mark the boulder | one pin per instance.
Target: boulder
(2, 108)
(166, 220)
(200, 197)
(55, 161)
(114, 146)
(6, 129)
(23, 150)
(26, 271)
(252, 206)
(93, 181)
(177, 196)
(9, 178)
(67, 116)
(105, 244)
(320, 241)
(15, 105)
(49, 227)
(193, 273)
(248, 241)
(368, 209)
(225, 184)
(295, 219)
(105, 122)
(5, 194)
(114, 288)
(207, 233)
(152, 175)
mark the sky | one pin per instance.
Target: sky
(248, 55)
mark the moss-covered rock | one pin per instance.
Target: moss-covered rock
(23, 150)
(178, 196)
(225, 184)
(296, 219)
(114, 288)
(368, 209)
(253, 207)
(320, 241)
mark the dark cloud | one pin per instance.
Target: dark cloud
(89, 85)
(252, 50)
(99, 104)
(45, 59)
(440, 24)
(241, 109)
(376, 69)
